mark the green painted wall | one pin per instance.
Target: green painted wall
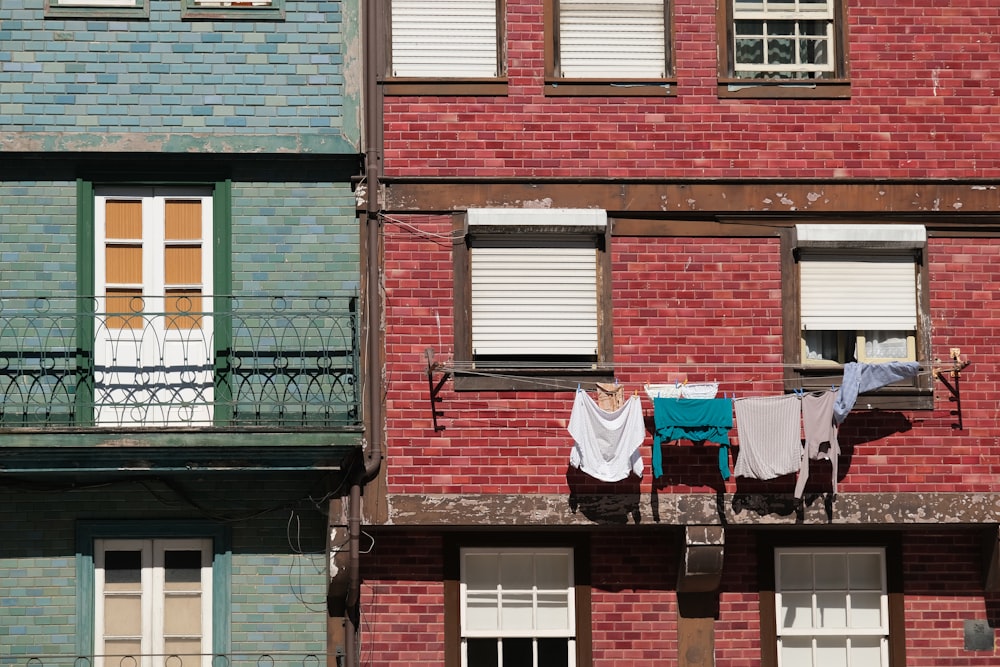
(278, 567)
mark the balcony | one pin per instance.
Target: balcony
(184, 361)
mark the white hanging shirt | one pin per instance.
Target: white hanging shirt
(606, 444)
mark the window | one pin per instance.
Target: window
(153, 268)
(860, 294)
(622, 46)
(831, 601)
(153, 598)
(789, 48)
(149, 590)
(233, 9)
(517, 600)
(97, 8)
(457, 41)
(832, 607)
(530, 292)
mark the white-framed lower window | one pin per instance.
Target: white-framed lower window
(153, 602)
(832, 607)
(517, 607)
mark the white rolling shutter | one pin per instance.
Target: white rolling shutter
(534, 297)
(859, 293)
(612, 39)
(444, 38)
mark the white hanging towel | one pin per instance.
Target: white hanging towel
(606, 444)
(769, 429)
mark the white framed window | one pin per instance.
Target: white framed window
(534, 282)
(784, 39)
(153, 602)
(517, 607)
(445, 39)
(832, 608)
(97, 8)
(858, 307)
(612, 39)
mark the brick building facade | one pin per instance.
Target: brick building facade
(764, 146)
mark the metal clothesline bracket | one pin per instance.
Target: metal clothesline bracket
(435, 388)
(954, 384)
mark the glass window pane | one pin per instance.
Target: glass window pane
(123, 264)
(182, 567)
(831, 610)
(831, 651)
(866, 651)
(122, 570)
(552, 571)
(750, 51)
(813, 52)
(866, 610)
(481, 611)
(796, 610)
(182, 219)
(516, 611)
(482, 653)
(866, 571)
(517, 571)
(796, 572)
(182, 615)
(480, 572)
(553, 611)
(122, 219)
(186, 649)
(831, 571)
(122, 616)
(517, 652)
(780, 51)
(182, 265)
(553, 652)
(122, 647)
(796, 651)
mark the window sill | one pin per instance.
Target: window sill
(92, 12)
(530, 379)
(234, 12)
(915, 394)
(440, 87)
(581, 88)
(827, 89)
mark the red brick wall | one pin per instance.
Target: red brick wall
(701, 309)
(923, 103)
(634, 603)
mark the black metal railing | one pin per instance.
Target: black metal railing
(179, 361)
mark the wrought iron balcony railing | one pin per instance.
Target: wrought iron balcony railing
(183, 360)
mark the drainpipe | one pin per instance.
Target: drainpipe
(371, 17)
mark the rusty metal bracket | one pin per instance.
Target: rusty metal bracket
(954, 385)
(435, 389)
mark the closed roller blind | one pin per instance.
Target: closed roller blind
(612, 39)
(540, 299)
(444, 38)
(860, 293)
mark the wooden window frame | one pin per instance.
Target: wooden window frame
(915, 394)
(835, 86)
(94, 9)
(557, 85)
(88, 532)
(768, 542)
(232, 10)
(453, 545)
(433, 85)
(540, 376)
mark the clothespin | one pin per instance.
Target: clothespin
(800, 392)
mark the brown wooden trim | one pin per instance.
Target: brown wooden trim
(746, 200)
(645, 227)
(809, 89)
(578, 88)
(444, 87)
(605, 303)
(462, 309)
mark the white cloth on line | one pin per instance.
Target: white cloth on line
(606, 444)
(769, 428)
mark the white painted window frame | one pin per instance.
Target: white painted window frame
(786, 11)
